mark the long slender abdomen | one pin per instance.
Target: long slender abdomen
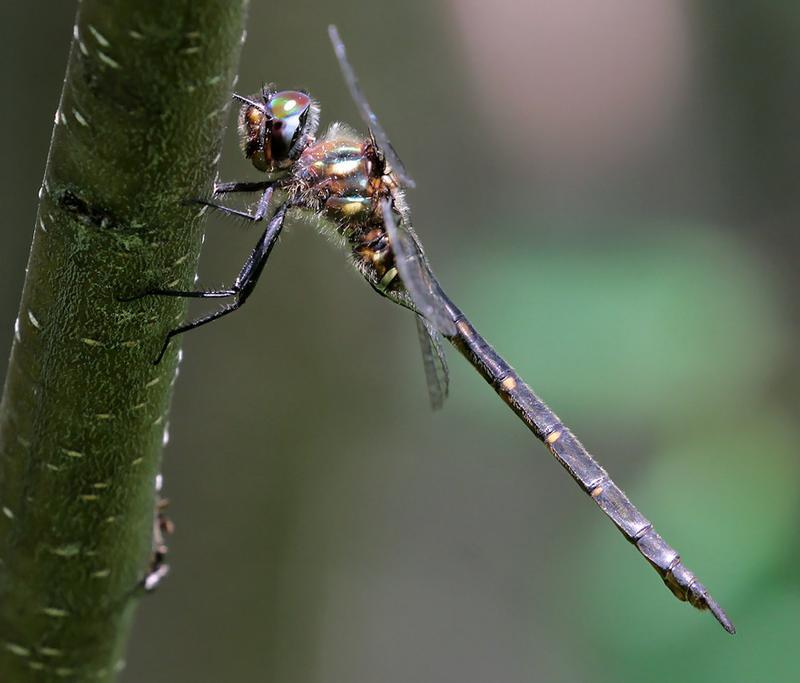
(592, 478)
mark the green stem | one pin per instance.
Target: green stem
(138, 130)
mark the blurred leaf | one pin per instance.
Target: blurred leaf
(725, 498)
(768, 654)
(654, 329)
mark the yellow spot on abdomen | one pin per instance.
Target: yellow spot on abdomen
(509, 383)
(463, 327)
(552, 438)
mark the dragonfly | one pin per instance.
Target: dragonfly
(353, 187)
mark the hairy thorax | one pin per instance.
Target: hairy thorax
(342, 179)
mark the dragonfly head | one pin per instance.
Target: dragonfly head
(275, 127)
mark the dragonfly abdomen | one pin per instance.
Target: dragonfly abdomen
(586, 471)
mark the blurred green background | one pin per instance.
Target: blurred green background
(609, 191)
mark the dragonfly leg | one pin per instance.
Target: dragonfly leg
(185, 294)
(194, 324)
(260, 212)
(242, 186)
(241, 289)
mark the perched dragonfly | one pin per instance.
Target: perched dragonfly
(353, 187)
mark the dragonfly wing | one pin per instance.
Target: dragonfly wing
(365, 110)
(415, 273)
(434, 361)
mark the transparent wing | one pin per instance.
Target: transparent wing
(434, 361)
(415, 273)
(366, 111)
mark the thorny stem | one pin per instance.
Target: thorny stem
(137, 131)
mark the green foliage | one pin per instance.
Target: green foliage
(675, 342)
(685, 319)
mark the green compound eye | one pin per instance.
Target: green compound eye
(287, 112)
(288, 103)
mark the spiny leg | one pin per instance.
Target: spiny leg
(191, 293)
(242, 186)
(260, 212)
(194, 324)
(248, 101)
(242, 287)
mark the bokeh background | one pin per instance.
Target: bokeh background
(609, 190)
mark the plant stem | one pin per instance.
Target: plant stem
(137, 132)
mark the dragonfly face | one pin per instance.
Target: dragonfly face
(275, 127)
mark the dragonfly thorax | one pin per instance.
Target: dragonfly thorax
(342, 178)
